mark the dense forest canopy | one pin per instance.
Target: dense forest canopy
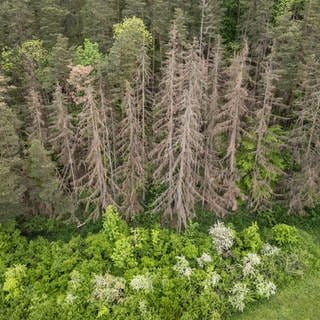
(158, 106)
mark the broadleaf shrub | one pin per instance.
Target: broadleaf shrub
(137, 273)
(285, 235)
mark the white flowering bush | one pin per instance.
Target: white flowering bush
(250, 263)
(153, 273)
(75, 280)
(223, 237)
(212, 280)
(141, 282)
(107, 288)
(238, 296)
(268, 250)
(182, 266)
(265, 289)
(204, 260)
(70, 298)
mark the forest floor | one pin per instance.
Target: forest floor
(299, 301)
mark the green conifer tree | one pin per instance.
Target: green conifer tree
(45, 196)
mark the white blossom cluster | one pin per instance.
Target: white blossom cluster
(223, 237)
(141, 282)
(143, 307)
(250, 263)
(182, 266)
(266, 289)
(204, 259)
(70, 298)
(269, 250)
(108, 288)
(238, 296)
(75, 280)
(212, 280)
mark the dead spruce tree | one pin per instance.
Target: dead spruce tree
(106, 101)
(305, 183)
(267, 164)
(33, 56)
(230, 122)
(169, 99)
(95, 180)
(186, 142)
(63, 140)
(133, 145)
(210, 22)
(211, 184)
(37, 124)
(131, 172)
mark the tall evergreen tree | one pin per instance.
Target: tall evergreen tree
(11, 187)
(16, 22)
(135, 8)
(45, 196)
(288, 39)
(98, 17)
(59, 61)
(51, 21)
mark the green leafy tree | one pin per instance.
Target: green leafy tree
(88, 54)
(130, 37)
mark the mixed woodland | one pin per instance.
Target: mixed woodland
(158, 106)
(124, 120)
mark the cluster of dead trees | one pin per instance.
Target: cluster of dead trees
(211, 128)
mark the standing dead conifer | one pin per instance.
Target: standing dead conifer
(63, 140)
(304, 184)
(34, 102)
(133, 145)
(230, 122)
(210, 22)
(267, 165)
(169, 98)
(95, 180)
(212, 188)
(131, 172)
(180, 130)
(108, 131)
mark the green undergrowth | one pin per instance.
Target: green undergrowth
(112, 270)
